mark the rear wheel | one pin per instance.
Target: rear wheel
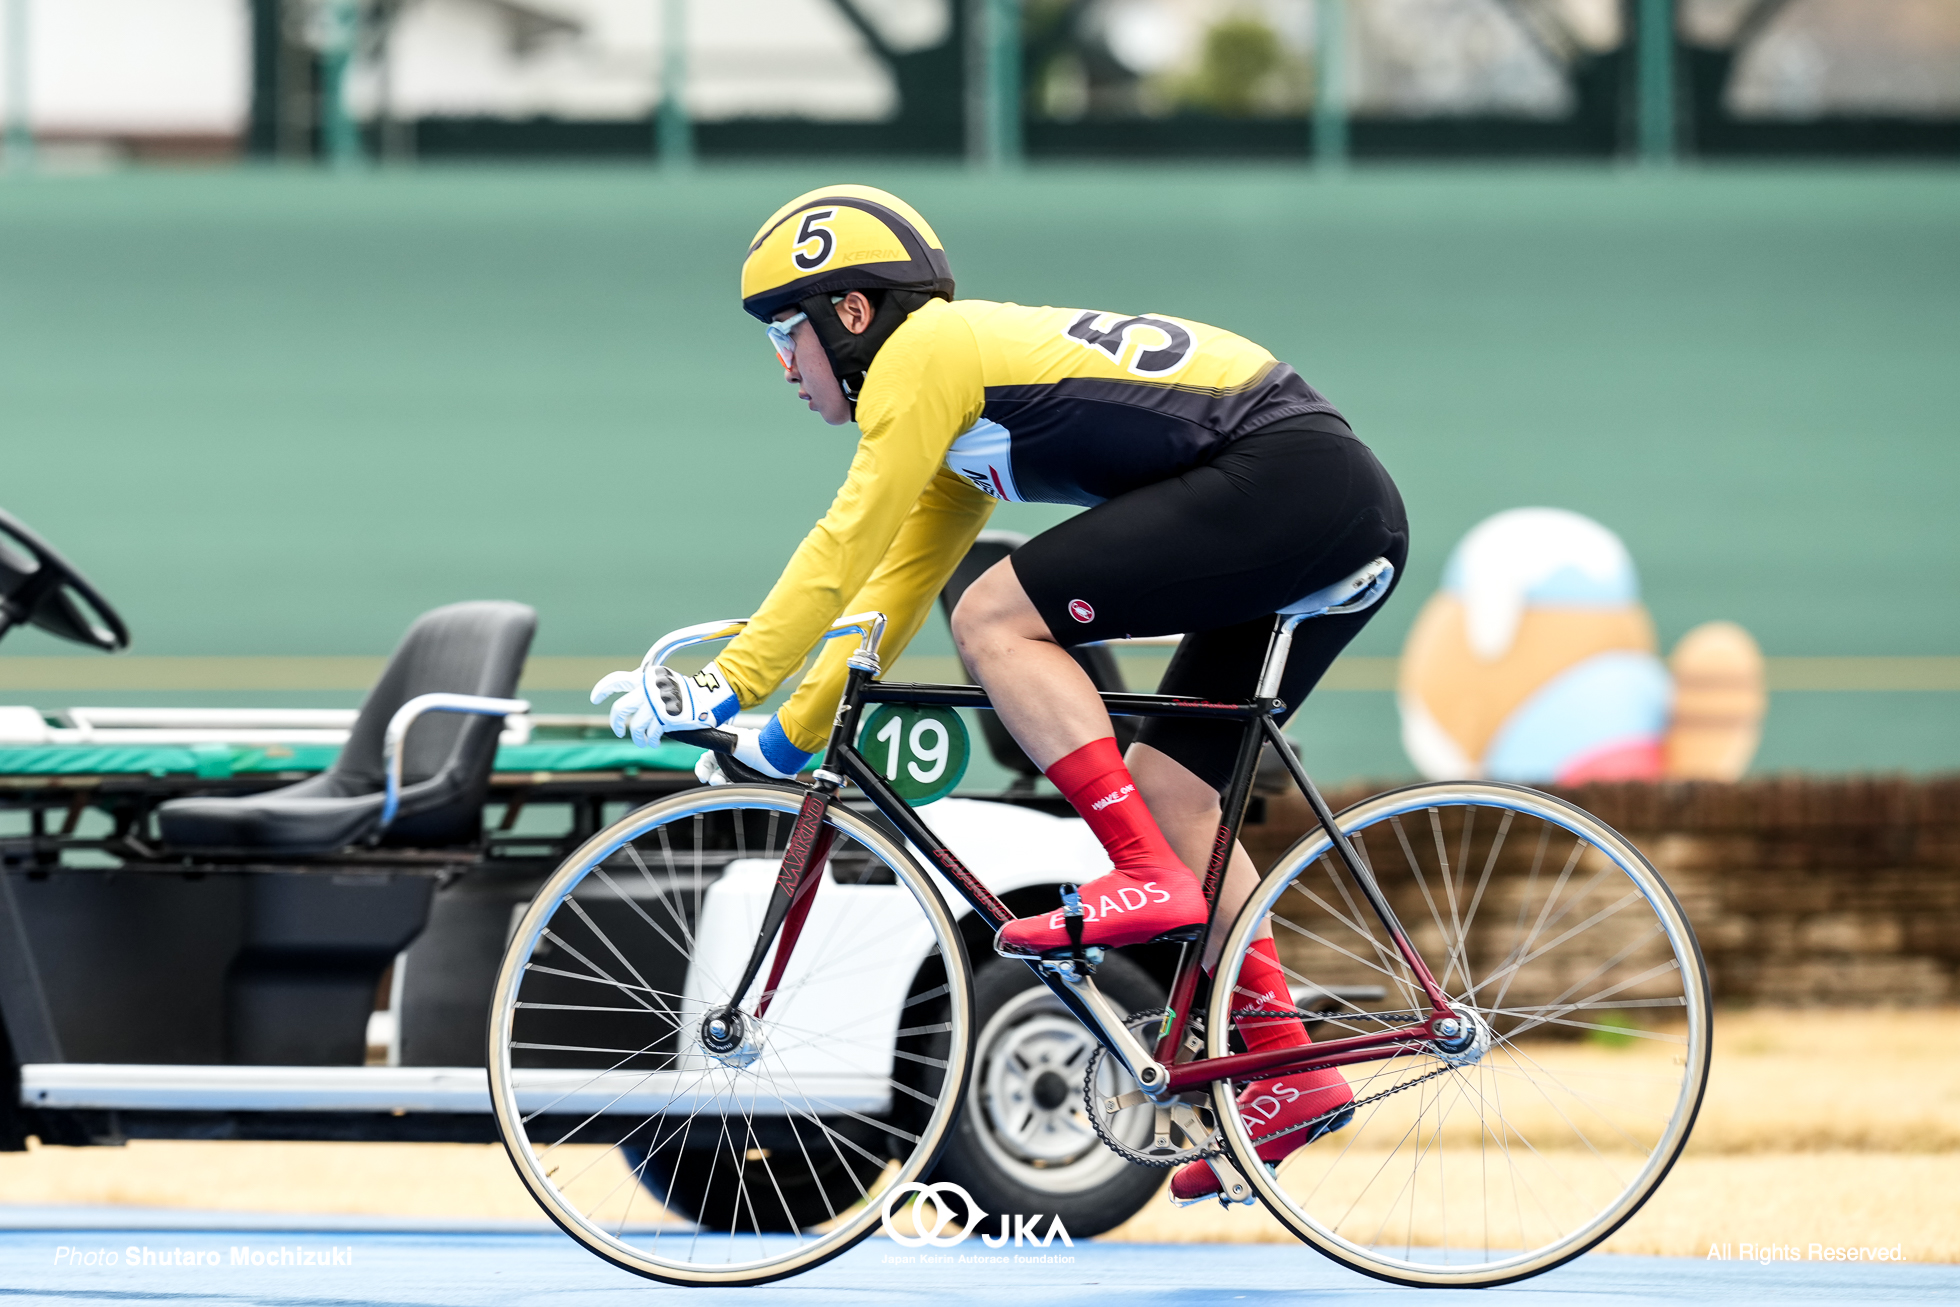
(1585, 1006)
(659, 1140)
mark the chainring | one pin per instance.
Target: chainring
(1188, 1116)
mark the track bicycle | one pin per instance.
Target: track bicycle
(732, 1032)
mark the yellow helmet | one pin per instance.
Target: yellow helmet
(842, 238)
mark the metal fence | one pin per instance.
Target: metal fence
(996, 81)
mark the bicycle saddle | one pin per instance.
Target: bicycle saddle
(1362, 589)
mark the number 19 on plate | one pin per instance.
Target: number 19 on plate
(921, 752)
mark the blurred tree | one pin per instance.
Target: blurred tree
(1069, 70)
(931, 82)
(1241, 60)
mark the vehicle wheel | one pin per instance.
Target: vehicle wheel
(710, 1191)
(1585, 1005)
(1023, 1144)
(676, 1128)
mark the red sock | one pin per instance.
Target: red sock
(1094, 780)
(1262, 985)
(1150, 892)
(1272, 1104)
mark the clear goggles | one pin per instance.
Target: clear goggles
(782, 336)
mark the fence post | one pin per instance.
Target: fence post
(994, 99)
(1330, 120)
(676, 132)
(20, 128)
(1655, 80)
(338, 27)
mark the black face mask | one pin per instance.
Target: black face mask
(850, 353)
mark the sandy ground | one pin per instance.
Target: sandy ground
(1820, 1127)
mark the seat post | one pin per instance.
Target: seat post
(1276, 651)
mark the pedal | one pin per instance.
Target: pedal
(1330, 1125)
(1073, 961)
(1228, 1176)
(1092, 954)
(1073, 964)
(1232, 1186)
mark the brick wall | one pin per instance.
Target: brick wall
(1801, 890)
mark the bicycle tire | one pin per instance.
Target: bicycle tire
(1653, 966)
(830, 1012)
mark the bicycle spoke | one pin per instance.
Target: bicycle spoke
(541, 969)
(641, 912)
(753, 1157)
(1517, 1150)
(1391, 959)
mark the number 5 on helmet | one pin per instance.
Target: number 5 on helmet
(837, 239)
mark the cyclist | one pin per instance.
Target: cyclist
(1219, 487)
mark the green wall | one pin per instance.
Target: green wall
(281, 412)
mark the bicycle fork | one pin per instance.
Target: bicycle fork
(727, 1033)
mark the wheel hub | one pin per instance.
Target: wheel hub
(1462, 1039)
(730, 1037)
(1050, 1091)
(1029, 1096)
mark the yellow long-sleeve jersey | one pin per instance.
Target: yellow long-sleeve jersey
(970, 403)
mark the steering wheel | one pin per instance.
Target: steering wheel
(40, 587)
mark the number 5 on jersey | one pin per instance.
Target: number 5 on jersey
(921, 752)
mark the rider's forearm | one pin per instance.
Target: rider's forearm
(833, 563)
(934, 538)
(924, 390)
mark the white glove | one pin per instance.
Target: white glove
(767, 751)
(656, 700)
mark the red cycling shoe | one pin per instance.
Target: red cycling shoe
(1262, 1009)
(1270, 1105)
(1149, 896)
(1130, 906)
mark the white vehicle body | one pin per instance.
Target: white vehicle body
(1008, 847)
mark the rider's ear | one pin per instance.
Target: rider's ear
(855, 312)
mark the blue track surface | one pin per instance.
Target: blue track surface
(412, 1263)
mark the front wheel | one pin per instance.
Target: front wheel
(670, 1124)
(1586, 1006)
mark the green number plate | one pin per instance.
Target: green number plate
(921, 752)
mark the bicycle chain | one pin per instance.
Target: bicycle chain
(1349, 1107)
(1089, 1100)
(1331, 1113)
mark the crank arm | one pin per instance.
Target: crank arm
(1232, 1186)
(1146, 1070)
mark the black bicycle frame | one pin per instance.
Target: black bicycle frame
(808, 850)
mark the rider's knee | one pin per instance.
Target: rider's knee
(967, 620)
(995, 606)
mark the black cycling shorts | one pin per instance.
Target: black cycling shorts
(1214, 553)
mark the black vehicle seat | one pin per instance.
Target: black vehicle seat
(469, 648)
(1095, 659)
